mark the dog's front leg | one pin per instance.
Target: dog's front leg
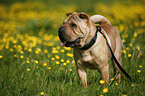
(105, 73)
(83, 76)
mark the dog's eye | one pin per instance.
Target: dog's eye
(73, 25)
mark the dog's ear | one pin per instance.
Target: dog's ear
(67, 14)
(84, 16)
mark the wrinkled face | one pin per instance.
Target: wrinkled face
(74, 29)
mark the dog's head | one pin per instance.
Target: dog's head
(75, 30)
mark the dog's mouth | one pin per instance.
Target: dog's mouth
(66, 40)
(70, 44)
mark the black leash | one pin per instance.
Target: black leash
(114, 58)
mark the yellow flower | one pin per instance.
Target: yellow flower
(135, 34)
(132, 85)
(42, 93)
(123, 51)
(112, 79)
(64, 64)
(69, 54)
(73, 61)
(116, 84)
(105, 90)
(130, 44)
(37, 52)
(67, 48)
(57, 57)
(21, 56)
(138, 71)
(127, 48)
(140, 66)
(1, 56)
(15, 55)
(67, 61)
(52, 58)
(57, 62)
(124, 40)
(70, 69)
(29, 50)
(28, 69)
(138, 48)
(11, 50)
(45, 51)
(62, 60)
(62, 50)
(54, 51)
(28, 61)
(45, 64)
(37, 66)
(49, 68)
(57, 47)
(21, 52)
(102, 82)
(36, 61)
(129, 55)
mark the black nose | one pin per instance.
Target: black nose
(60, 33)
(60, 29)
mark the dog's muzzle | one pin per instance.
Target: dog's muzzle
(66, 43)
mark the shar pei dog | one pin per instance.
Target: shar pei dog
(90, 49)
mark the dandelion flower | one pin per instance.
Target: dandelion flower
(129, 55)
(11, 50)
(102, 82)
(45, 51)
(70, 69)
(57, 62)
(28, 69)
(132, 85)
(138, 48)
(73, 61)
(62, 60)
(36, 61)
(15, 55)
(116, 84)
(45, 64)
(29, 50)
(62, 51)
(67, 61)
(105, 90)
(130, 44)
(49, 68)
(42, 93)
(21, 56)
(64, 64)
(52, 58)
(1, 56)
(28, 61)
(57, 57)
(57, 47)
(127, 48)
(140, 66)
(112, 79)
(138, 71)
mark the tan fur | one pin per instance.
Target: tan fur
(98, 55)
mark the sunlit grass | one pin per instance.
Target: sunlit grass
(33, 63)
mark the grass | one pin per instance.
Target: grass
(32, 62)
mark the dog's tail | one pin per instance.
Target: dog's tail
(100, 19)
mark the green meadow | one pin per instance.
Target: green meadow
(32, 62)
